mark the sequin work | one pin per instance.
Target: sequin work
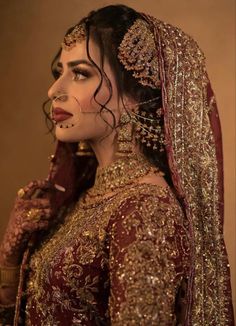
(190, 110)
(116, 261)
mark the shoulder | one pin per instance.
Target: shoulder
(149, 221)
(148, 197)
(147, 204)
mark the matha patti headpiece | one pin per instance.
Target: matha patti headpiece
(77, 35)
(138, 53)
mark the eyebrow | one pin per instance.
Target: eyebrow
(74, 63)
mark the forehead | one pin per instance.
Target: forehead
(79, 52)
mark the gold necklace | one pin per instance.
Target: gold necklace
(119, 174)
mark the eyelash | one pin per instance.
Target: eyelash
(76, 72)
(80, 72)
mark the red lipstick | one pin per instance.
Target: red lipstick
(59, 114)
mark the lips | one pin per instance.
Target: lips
(59, 115)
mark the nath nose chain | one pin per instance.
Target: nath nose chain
(65, 99)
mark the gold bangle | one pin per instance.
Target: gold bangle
(9, 276)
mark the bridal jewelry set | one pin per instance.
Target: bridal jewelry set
(138, 54)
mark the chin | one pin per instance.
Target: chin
(66, 135)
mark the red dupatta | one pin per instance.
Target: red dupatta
(194, 149)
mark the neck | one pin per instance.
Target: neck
(104, 158)
(104, 151)
(122, 172)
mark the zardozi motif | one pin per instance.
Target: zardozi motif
(141, 254)
(119, 261)
(189, 110)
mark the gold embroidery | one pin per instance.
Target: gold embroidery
(193, 158)
(72, 266)
(147, 275)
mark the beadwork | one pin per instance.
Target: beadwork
(121, 173)
(138, 53)
(77, 35)
(146, 127)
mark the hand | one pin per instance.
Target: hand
(32, 212)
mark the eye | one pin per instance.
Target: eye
(56, 72)
(79, 74)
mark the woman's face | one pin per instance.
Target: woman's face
(73, 92)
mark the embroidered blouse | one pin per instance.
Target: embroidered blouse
(116, 261)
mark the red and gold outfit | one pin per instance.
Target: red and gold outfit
(143, 255)
(118, 261)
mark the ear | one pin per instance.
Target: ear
(129, 103)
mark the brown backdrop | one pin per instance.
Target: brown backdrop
(30, 32)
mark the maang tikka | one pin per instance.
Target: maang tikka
(77, 35)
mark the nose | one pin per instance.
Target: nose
(52, 91)
(57, 92)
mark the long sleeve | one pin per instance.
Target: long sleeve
(148, 258)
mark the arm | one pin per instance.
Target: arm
(143, 255)
(22, 224)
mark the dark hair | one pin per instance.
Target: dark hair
(107, 27)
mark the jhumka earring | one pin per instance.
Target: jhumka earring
(84, 149)
(125, 137)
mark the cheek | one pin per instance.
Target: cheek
(83, 96)
(90, 104)
(85, 91)
(103, 95)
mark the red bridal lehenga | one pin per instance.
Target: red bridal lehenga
(145, 254)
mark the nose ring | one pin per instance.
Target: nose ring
(61, 97)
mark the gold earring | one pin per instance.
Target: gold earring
(84, 149)
(125, 136)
